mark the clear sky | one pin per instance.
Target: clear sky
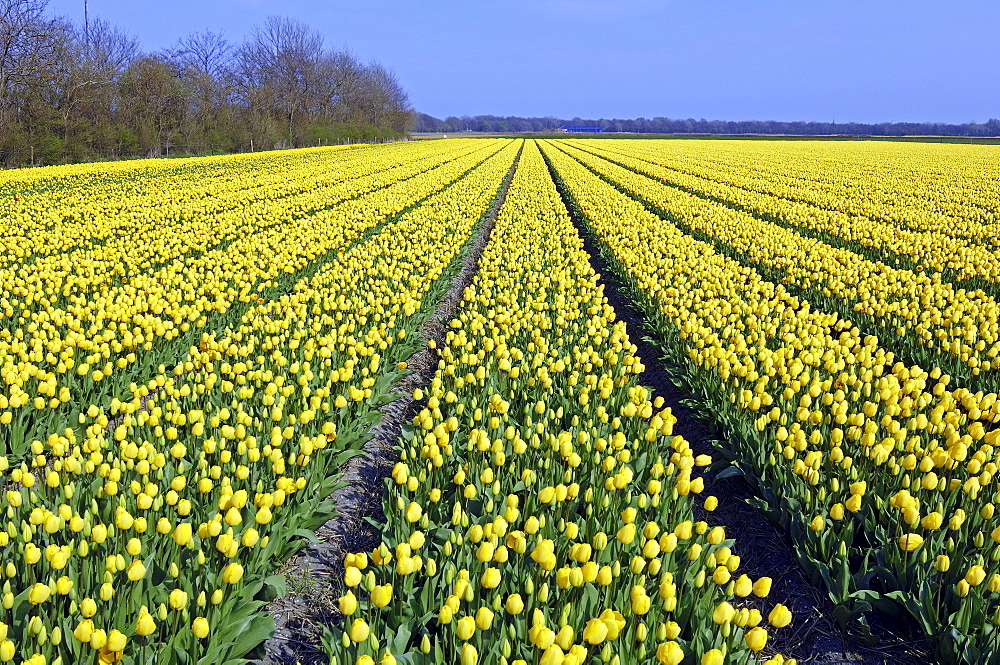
(844, 60)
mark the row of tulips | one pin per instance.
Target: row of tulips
(927, 321)
(541, 510)
(57, 350)
(54, 210)
(148, 532)
(883, 473)
(89, 243)
(947, 191)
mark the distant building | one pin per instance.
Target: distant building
(577, 129)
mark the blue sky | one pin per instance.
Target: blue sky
(852, 60)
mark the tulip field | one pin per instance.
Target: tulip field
(192, 349)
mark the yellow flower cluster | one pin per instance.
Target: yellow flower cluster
(541, 511)
(190, 349)
(84, 324)
(936, 322)
(53, 210)
(930, 204)
(864, 458)
(148, 526)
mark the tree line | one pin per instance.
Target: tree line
(514, 124)
(71, 92)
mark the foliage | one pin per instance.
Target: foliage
(70, 93)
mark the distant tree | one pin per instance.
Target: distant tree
(278, 72)
(205, 52)
(151, 103)
(663, 125)
(29, 47)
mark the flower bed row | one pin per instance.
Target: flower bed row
(884, 477)
(930, 321)
(542, 509)
(148, 531)
(59, 349)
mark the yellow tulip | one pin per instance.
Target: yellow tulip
(177, 599)
(348, 603)
(713, 657)
(975, 575)
(614, 621)
(381, 595)
(182, 534)
(669, 653)
(98, 639)
(595, 631)
(626, 534)
(465, 628)
(514, 604)
(84, 630)
(469, 655)
(553, 655)
(756, 638)
(491, 578)
(144, 624)
(136, 571)
(910, 542)
(723, 613)
(359, 630)
(116, 641)
(352, 576)
(38, 594)
(232, 573)
(780, 616)
(200, 627)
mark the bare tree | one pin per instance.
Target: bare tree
(384, 102)
(342, 78)
(28, 42)
(203, 61)
(279, 67)
(208, 52)
(109, 49)
(362, 94)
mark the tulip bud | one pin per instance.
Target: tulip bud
(200, 627)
